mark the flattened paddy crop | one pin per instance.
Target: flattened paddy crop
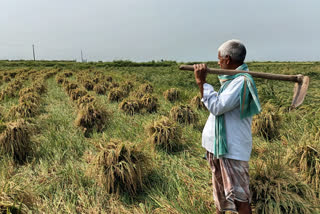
(125, 137)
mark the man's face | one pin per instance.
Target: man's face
(223, 62)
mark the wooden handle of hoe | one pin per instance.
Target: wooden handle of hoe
(293, 78)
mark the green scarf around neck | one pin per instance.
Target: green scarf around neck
(249, 106)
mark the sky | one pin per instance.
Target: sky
(145, 30)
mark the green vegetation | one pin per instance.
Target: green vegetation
(59, 121)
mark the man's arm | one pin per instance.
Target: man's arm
(200, 74)
(228, 100)
(215, 103)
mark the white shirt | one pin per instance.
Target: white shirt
(238, 131)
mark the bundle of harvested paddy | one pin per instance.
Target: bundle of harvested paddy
(114, 85)
(139, 94)
(39, 87)
(130, 107)
(106, 84)
(15, 198)
(26, 90)
(6, 79)
(121, 167)
(197, 103)
(7, 93)
(3, 125)
(306, 159)
(260, 148)
(13, 88)
(29, 72)
(146, 88)
(15, 140)
(92, 117)
(23, 110)
(276, 189)
(165, 134)
(183, 114)
(8, 204)
(65, 83)
(1, 114)
(96, 79)
(88, 84)
(60, 79)
(267, 123)
(171, 94)
(100, 89)
(127, 86)
(143, 90)
(70, 86)
(109, 78)
(2, 94)
(16, 83)
(77, 93)
(24, 77)
(116, 95)
(67, 74)
(149, 102)
(125, 91)
(34, 77)
(13, 74)
(81, 78)
(50, 74)
(85, 100)
(30, 97)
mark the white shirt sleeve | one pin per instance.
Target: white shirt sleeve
(228, 100)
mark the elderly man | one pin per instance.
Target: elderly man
(227, 133)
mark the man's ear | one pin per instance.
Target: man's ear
(228, 59)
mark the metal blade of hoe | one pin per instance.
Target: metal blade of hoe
(299, 91)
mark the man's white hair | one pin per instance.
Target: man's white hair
(233, 48)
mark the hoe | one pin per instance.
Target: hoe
(299, 90)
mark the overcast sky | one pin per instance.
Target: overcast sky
(144, 30)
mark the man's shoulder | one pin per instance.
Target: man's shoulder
(238, 81)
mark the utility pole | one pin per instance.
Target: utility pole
(34, 56)
(81, 56)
